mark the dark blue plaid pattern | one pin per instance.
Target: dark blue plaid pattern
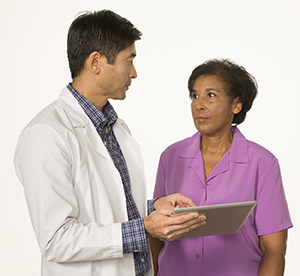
(133, 231)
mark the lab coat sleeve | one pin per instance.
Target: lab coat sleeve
(43, 162)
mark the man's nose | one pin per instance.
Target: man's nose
(133, 73)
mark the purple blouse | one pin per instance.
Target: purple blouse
(246, 172)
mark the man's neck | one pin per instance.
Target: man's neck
(89, 92)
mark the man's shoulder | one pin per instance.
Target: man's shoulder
(44, 116)
(52, 119)
(55, 114)
(51, 116)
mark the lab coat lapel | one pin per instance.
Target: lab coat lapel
(130, 149)
(81, 122)
(134, 162)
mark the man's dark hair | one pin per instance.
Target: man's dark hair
(102, 31)
(238, 83)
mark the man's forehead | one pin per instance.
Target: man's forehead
(129, 52)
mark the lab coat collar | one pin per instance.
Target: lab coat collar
(80, 121)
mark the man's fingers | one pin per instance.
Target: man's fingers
(176, 232)
(178, 228)
(183, 201)
(161, 224)
(179, 218)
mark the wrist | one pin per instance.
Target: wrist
(145, 228)
(155, 201)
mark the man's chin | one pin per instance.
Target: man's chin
(122, 97)
(119, 97)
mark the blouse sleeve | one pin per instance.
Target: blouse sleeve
(159, 189)
(272, 214)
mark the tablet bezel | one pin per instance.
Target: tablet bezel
(221, 219)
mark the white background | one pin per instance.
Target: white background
(261, 35)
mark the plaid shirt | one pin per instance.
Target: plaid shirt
(133, 231)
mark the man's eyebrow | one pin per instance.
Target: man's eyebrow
(133, 55)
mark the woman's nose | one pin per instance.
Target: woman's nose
(200, 104)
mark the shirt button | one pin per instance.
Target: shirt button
(103, 119)
(135, 251)
(104, 143)
(142, 260)
(197, 255)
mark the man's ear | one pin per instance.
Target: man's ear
(237, 106)
(94, 61)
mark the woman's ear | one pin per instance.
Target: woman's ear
(237, 106)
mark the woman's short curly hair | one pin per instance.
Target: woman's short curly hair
(238, 83)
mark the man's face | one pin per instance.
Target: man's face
(115, 79)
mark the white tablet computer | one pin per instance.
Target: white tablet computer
(220, 219)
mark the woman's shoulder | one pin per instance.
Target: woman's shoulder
(260, 151)
(181, 145)
(249, 151)
(254, 148)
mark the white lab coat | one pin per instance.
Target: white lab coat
(74, 192)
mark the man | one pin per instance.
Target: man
(82, 172)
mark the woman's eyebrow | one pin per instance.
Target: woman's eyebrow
(212, 89)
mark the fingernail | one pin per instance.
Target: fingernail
(203, 217)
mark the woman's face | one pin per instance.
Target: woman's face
(212, 109)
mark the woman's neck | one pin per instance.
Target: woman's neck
(213, 149)
(216, 144)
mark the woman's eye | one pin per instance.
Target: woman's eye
(194, 96)
(211, 95)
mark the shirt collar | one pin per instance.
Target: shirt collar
(239, 149)
(99, 118)
(238, 152)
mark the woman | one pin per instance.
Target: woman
(218, 165)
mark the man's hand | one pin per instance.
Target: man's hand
(160, 224)
(173, 201)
